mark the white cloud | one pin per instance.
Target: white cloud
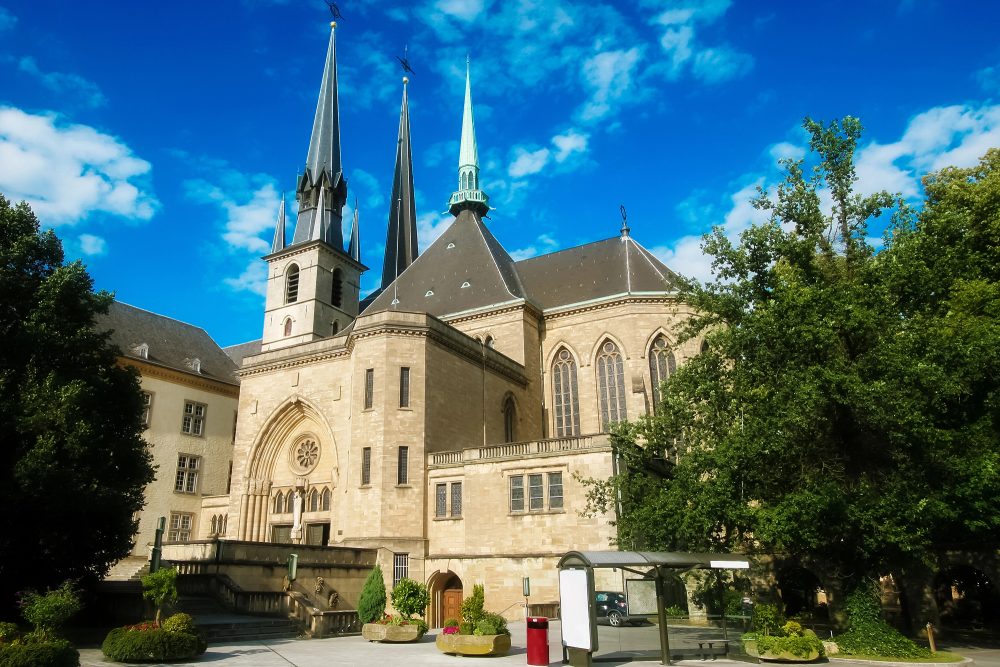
(253, 279)
(542, 245)
(527, 162)
(609, 75)
(7, 20)
(92, 245)
(70, 172)
(568, 144)
(463, 10)
(720, 64)
(683, 48)
(250, 212)
(430, 226)
(64, 84)
(784, 150)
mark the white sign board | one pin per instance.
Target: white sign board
(641, 596)
(729, 564)
(574, 607)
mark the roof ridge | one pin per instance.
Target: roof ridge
(487, 236)
(562, 250)
(648, 256)
(166, 317)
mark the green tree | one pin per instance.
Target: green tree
(410, 598)
(160, 588)
(49, 611)
(371, 604)
(837, 414)
(73, 464)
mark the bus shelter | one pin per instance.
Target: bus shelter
(577, 591)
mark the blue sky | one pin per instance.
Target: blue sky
(157, 137)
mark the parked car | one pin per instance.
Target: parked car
(612, 607)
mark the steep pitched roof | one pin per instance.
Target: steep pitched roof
(170, 342)
(613, 266)
(241, 351)
(464, 269)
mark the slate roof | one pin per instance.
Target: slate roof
(172, 343)
(241, 351)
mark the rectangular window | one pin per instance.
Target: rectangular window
(366, 466)
(536, 502)
(180, 527)
(369, 388)
(517, 493)
(147, 407)
(186, 479)
(400, 567)
(555, 491)
(194, 418)
(441, 500)
(402, 466)
(404, 387)
(456, 499)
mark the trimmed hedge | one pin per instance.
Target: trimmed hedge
(54, 653)
(155, 645)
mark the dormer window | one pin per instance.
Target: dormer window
(194, 364)
(429, 292)
(141, 350)
(450, 246)
(466, 284)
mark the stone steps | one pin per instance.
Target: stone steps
(221, 625)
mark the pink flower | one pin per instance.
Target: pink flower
(450, 630)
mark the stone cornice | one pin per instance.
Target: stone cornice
(610, 302)
(482, 314)
(151, 370)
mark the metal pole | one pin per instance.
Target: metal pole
(154, 556)
(661, 617)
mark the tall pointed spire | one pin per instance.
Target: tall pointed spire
(401, 236)
(319, 219)
(279, 228)
(354, 249)
(468, 195)
(323, 171)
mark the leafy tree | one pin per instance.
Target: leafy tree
(49, 611)
(845, 409)
(410, 598)
(73, 464)
(371, 605)
(160, 588)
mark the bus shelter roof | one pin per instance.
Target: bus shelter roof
(671, 559)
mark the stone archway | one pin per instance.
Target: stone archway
(446, 590)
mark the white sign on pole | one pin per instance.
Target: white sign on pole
(729, 564)
(574, 607)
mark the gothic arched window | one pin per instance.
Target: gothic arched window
(288, 326)
(290, 502)
(314, 501)
(610, 385)
(325, 500)
(565, 396)
(337, 288)
(279, 503)
(662, 364)
(292, 284)
(509, 414)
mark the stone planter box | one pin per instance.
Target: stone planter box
(376, 632)
(750, 646)
(473, 645)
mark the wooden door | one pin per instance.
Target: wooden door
(451, 604)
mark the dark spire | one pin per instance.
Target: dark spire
(625, 228)
(323, 172)
(401, 237)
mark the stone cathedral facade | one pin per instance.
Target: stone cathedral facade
(445, 419)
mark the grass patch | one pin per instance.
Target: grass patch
(940, 656)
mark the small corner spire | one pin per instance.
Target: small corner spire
(468, 195)
(355, 248)
(401, 236)
(319, 220)
(279, 228)
(625, 228)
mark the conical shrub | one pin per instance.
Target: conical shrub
(371, 606)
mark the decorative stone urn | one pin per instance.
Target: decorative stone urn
(473, 644)
(377, 632)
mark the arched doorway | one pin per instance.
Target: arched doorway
(966, 598)
(446, 597)
(802, 594)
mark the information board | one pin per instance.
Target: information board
(641, 597)
(577, 621)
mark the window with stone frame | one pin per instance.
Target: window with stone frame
(400, 567)
(403, 466)
(555, 490)
(509, 419)
(290, 502)
(440, 501)
(181, 526)
(147, 407)
(193, 422)
(279, 503)
(324, 501)
(314, 500)
(517, 493)
(662, 364)
(369, 388)
(186, 476)
(292, 284)
(404, 387)
(366, 466)
(610, 385)
(337, 288)
(565, 395)
(456, 499)
(544, 492)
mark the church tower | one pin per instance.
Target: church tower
(401, 237)
(468, 196)
(313, 284)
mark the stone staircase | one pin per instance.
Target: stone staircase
(222, 626)
(131, 568)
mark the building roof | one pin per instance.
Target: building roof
(169, 342)
(241, 351)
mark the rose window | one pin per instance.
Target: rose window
(305, 456)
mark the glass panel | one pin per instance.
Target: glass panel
(456, 499)
(366, 465)
(536, 499)
(517, 493)
(441, 500)
(555, 491)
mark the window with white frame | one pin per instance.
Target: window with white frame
(181, 525)
(147, 407)
(186, 479)
(194, 418)
(400, 567)
(536, 492)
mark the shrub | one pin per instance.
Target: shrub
(48, 612)
(868, 633)
(491, 624)
(798, 646)
(767, 619)
(451, 622)
(472, 606)
(160, 587)
(410, 598)
(371, 605)
(466, 628)
(155, 645)
(180, 623)
(47, 653)
(9, 632)
(674, 611)
(791, 629)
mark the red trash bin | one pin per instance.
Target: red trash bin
(538, 640)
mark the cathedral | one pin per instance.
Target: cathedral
(445, 420)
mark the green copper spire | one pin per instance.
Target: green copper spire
(468, 195)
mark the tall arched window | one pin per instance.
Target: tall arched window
(325, 500)
(292, 284)
(509, 414)
(565, 396)
(662, 364)
(279, 503)
(610, 385)
(288, 326)
(337, 288)
(290, 502)
(314, 501)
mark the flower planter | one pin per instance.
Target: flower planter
(377, 632)
(473, 644)
(776, 654)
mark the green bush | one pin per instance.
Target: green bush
(767, 619)
(451, 623)
(491, 623)
(123, 645)
(49, 653)
(868, 633)
(371, 605)
(180, 623)
(674, 611)
(9, 632)
(797, 645)
(160, 587)
(472, 606)
(410, 598)
(49, 611)
(466, 628)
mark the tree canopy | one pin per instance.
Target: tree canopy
(73, 464)
(845, 410)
